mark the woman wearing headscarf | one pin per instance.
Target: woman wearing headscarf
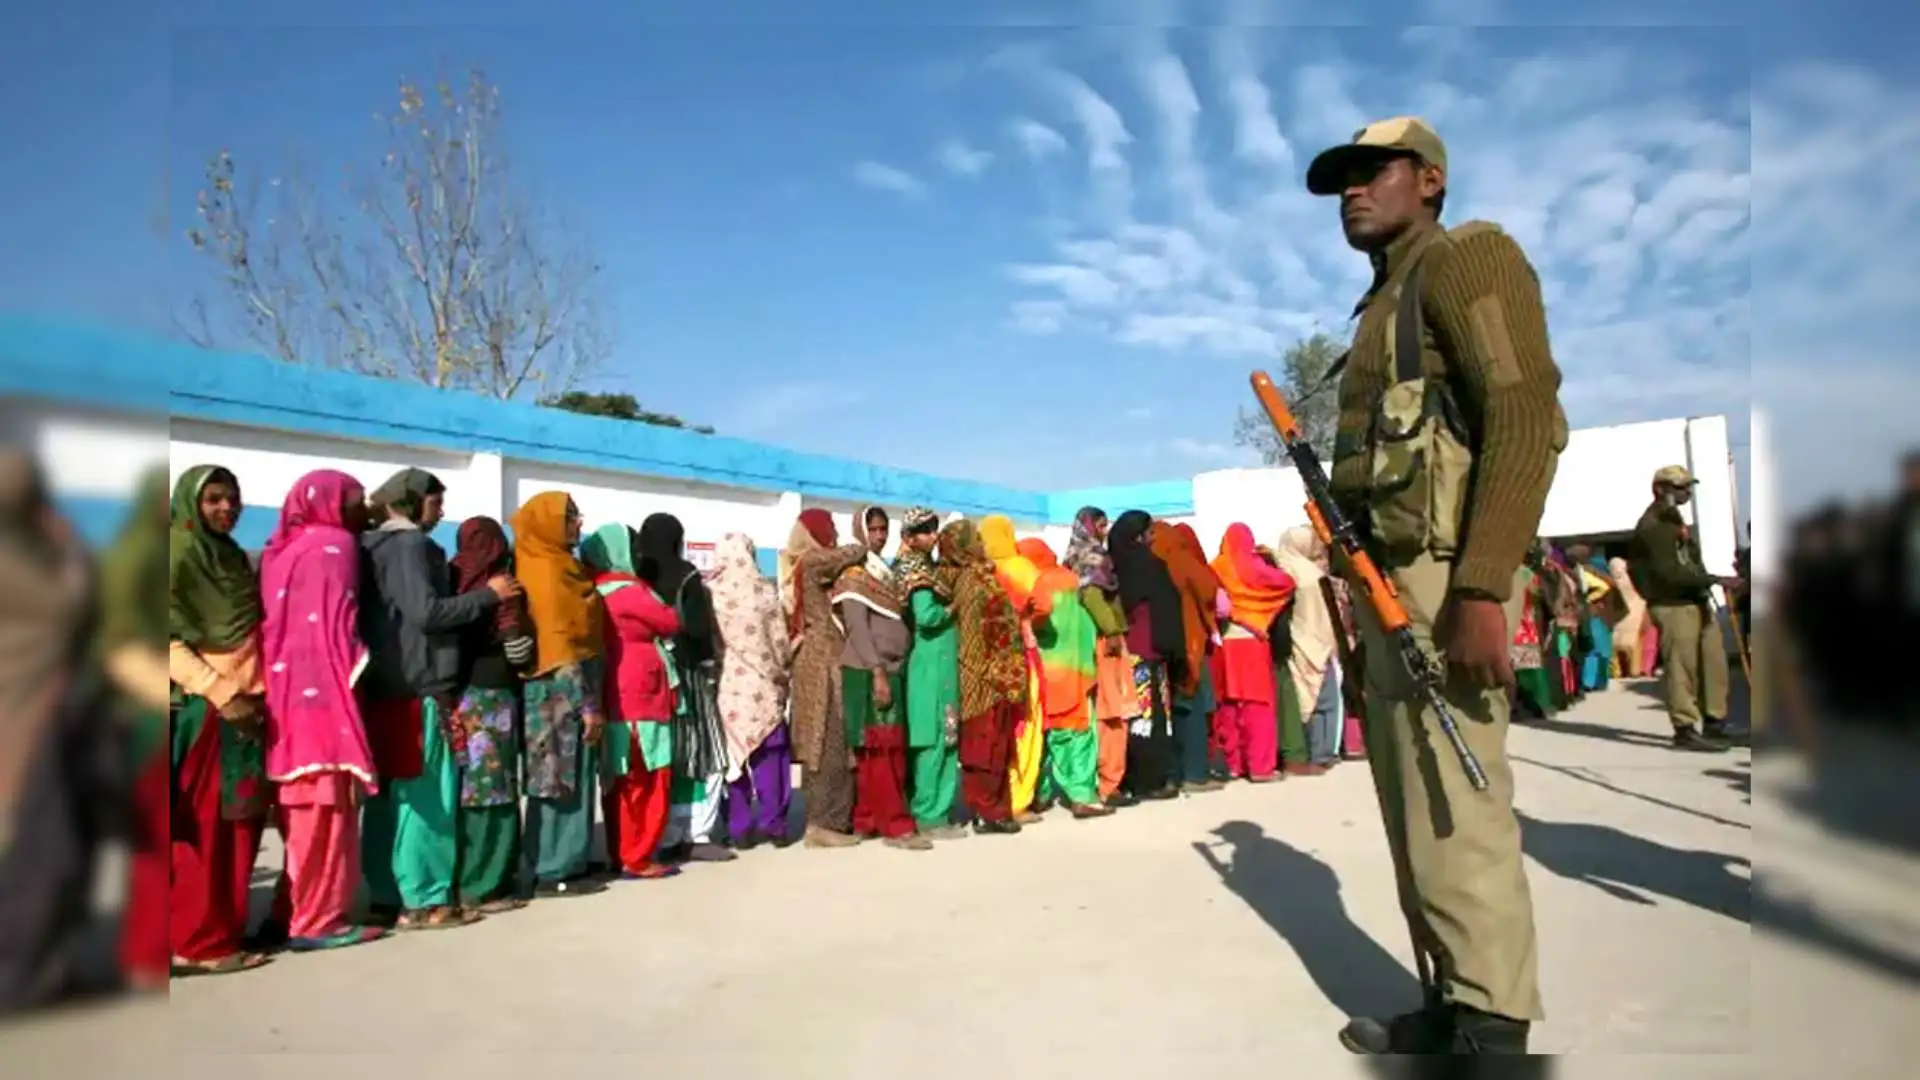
(636, 749)
(1531, 686)
(868, 604)
(1156, 636)
(809, 565)
(1115, 705)
(993, 675)
(494, 653)
(1310, 627)
(412, 619)
(1350, 663)
(1627, 646)
(755, 657)
(1243, 668)
(317, 750)
(1064, 635)
(1564, 633)
(132, 644)
(56, 764)
(563, 711)
(1017, 576)
(699, 746)
(933, 679)
(1602, 605)
(1201, 600)
(218, 703)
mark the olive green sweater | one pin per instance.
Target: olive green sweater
(1663, 559)
(1488, 325)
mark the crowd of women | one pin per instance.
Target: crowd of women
(432, 735)
(1583, 625)
(435, 737)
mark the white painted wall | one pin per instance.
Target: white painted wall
(708, 512)
(268, 462)
(1603, 485)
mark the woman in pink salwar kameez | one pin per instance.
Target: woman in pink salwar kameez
(316, 744)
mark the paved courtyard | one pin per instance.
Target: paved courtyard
(1225, 935)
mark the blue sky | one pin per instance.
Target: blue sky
(1046, 254)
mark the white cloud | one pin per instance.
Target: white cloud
(883, 177)
(1037, 139)
(1654, 177)
(1256, 131)
(1620, 166)
(960, 158)
(1104, 137)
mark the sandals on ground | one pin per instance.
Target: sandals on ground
(352, 935)
(224, 965)
(652, 872)
(444, 917)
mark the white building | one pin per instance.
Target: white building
(90, 402)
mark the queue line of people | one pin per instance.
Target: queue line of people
(435, 733)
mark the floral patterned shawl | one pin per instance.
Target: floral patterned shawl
(993, 659)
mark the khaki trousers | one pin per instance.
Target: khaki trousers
(1456, 852)
(1693, 663)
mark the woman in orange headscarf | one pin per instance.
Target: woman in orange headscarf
(563, 716)
(1243, 667)
(1064, 635)
(1202, 604)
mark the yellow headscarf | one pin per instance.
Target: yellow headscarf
(1018, 575)
(565, 607)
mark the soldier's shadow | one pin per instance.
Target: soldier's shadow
(1299, 897)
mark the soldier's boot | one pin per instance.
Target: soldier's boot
(1426, 1031)
(1476, 1032)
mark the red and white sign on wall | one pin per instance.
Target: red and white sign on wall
(701, 556)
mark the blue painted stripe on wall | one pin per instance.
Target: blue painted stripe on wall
(76, 363)
(99, 520)
(105, 368)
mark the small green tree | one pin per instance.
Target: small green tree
(619, 407)
(1317, 407)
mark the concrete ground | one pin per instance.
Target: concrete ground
(1225, 935)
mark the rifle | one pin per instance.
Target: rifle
(1337, 534)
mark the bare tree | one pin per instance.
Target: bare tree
(1314, 402)
(432, 267)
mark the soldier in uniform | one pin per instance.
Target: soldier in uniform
(1664, 561)
(1449, 435)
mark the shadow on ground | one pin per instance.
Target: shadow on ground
(1862, 785)
(1588, 776)
(1299, 897)
(1803, 922)
(1739, 778)
(1560, 725)
(1636, 869)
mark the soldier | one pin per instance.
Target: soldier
(1449, 435)
(1664, 562)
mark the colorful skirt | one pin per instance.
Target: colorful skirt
(488, 762)
(556, 703)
